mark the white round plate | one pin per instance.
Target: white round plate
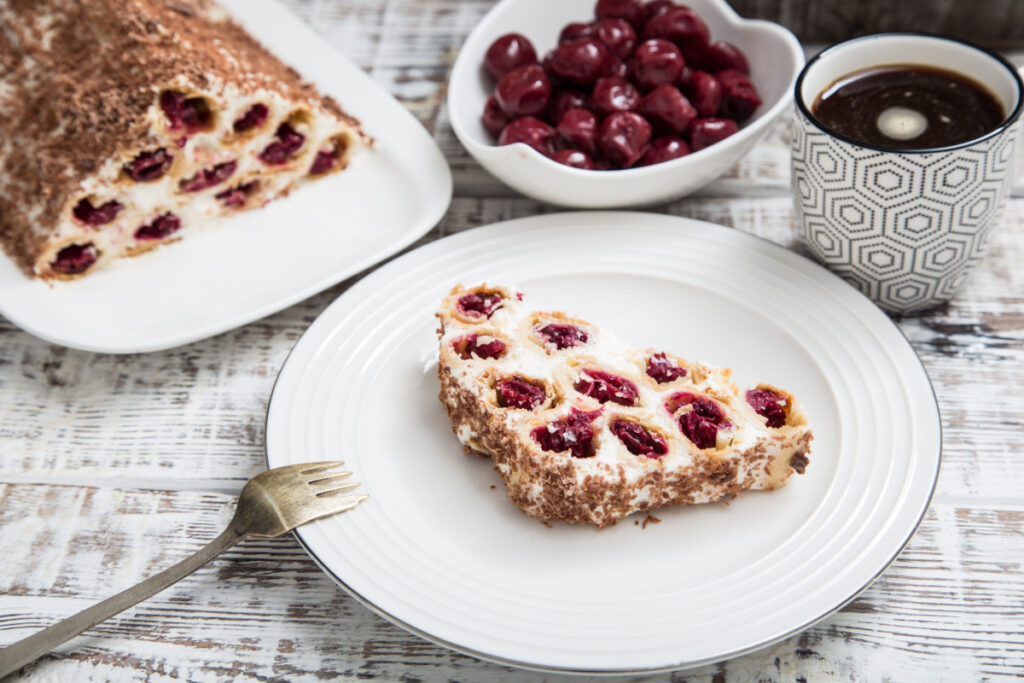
(257, 262)
(440, 550)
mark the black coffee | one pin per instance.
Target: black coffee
(908, 107)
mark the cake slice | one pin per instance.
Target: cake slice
(125, 124)
(584, 428)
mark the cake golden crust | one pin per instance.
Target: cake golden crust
(612, 482)
(79, 90)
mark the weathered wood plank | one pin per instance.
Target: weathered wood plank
(997, 22)
(950, 607)
(193, 417)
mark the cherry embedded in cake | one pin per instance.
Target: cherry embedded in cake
(663, 369)
(584, 428)
(208, 177)
(200, 122)
(572, 434)
(769, 404)
(479, 305)
(148, 166)
(638, 439)
(160, 228)
(287, 143)
(479, 345)
(516, 392)
(96, 216)
(253, 118)
(74, 259)
(562, 336)
(606, 386)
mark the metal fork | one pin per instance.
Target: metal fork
(270, 504)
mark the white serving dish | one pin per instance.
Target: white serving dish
(775, 59)
(261, 261)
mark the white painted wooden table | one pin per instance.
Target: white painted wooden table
(111, 468)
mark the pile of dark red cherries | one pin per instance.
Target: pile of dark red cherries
(640, 85)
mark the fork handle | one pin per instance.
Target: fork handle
(17, 655)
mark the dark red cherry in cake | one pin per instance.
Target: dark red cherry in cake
(739, 96)
(638, 440)
(574, 158)
(612, 94)
(617, 35)
(74, 259)
(516, 392)
(208, 177)
(480, 305)
(324, 161)
(480, 346)
(524, 91)
(663, 369)
(190, 114)
(582, 61)
(562, 336)
(287, 143)
(624, 137)
(706, 132)
(252, 118)
(656, 62)
(605, 387)
(507, 53)
(572, 433)
(667, 110)
(578, 130)
(149, 166)
(768, 405)
(159, 228)
(633, 11)
(96, 216)
(699, 418)
(530, 131)
(237, 196)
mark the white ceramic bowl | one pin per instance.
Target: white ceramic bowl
(775, 60)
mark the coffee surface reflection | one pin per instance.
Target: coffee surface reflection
(908, 107)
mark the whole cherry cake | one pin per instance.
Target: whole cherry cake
(125, 124)
(584, 428)
(640, 84)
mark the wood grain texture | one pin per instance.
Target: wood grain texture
(995, 22)
(113, 467)
(952, 602)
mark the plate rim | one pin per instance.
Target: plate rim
(623, 215)
(436, 201)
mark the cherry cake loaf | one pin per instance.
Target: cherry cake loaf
(584, 428)
(124, 124)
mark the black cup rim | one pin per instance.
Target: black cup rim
(998, 130)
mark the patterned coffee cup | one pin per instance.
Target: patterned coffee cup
(904, 226)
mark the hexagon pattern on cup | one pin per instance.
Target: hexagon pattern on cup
(904, 228)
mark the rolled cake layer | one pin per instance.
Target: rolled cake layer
(584, 428)
(126, 124)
